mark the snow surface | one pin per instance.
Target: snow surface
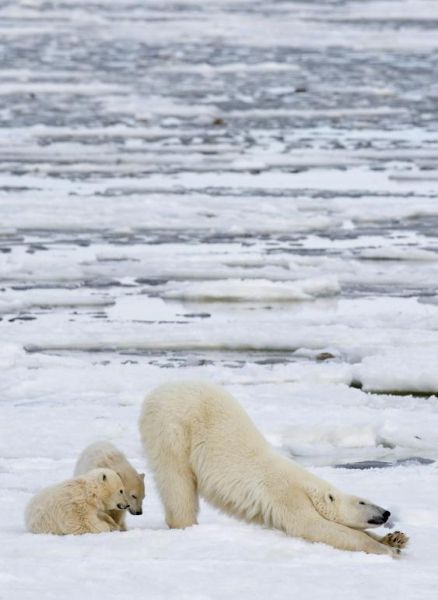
(244, 192)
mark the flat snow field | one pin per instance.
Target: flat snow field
(244, 192)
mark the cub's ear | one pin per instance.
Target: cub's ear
(103, 477)
(141, 475)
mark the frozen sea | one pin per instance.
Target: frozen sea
(233, 190)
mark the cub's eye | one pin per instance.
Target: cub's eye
(133, 496)
(331, 498)
(121, 491)
(363, 503)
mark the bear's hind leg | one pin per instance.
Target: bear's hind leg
(179, 494)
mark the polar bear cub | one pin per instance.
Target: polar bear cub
(77, 505)
(198, 440)
(105, 455)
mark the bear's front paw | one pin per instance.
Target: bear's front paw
(395, 539)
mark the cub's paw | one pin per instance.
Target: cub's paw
(395, 539)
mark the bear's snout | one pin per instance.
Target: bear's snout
(380, 519)
(122, 506)
(135, 512)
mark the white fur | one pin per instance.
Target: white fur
(200, 441)
(77, 505)
(106, 456)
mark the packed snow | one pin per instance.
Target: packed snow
(242, 192)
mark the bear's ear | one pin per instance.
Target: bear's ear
(141, 475)
(103, 476)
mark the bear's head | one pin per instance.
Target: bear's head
(108, 489)
(134, 487)
(351, 511)
(135, 492)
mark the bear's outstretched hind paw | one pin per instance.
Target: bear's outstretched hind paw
(395, 539)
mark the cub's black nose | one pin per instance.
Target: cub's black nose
(386, 515)
(139, 512)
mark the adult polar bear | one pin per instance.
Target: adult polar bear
(200, 441)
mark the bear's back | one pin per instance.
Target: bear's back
(44, 512)
(193, 415)
(191, 404)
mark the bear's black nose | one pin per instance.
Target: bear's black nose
(386, 515)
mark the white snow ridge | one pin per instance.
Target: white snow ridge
(256, 290)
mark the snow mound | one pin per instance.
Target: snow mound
(399, 253)
(12, 301)
(336, 444)
(406, 370)
(239, 290)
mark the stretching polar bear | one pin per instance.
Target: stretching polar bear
(200, 441)
(103, 455)
(77, 505)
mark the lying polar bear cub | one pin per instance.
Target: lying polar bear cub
(200, 441)
(103, 455)
(77, 505)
